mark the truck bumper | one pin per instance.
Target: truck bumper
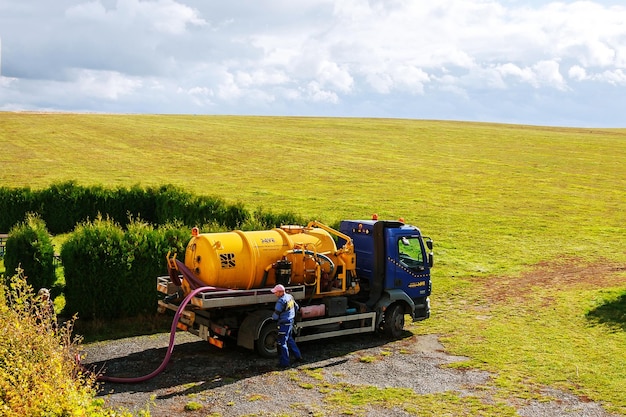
(422, 309)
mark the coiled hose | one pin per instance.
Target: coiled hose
(170, 348)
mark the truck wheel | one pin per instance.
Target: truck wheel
(394, 321)
(266, 343)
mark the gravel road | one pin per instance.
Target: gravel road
(236, 382)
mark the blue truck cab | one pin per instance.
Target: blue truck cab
(393, 262)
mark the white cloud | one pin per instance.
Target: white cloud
(261, 78)
(315, 93)
(106, 84)
(166, 16)
(171, 17)
(404, 78)
(548, 74)
(525, 74)
(312, 56)
(198, 96)
(615, 77)
(586, 31)
(7, 81)
(380, 81)
(228, 89)
(93, 10)
(334, 76)
(577, 73)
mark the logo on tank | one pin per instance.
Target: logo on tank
(227, 260)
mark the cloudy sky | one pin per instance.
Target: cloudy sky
(559, 63)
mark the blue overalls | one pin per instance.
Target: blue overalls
(285, 313)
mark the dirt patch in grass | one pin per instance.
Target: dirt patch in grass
(561, 274)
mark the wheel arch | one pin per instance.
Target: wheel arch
(251, 328)
(393, 296)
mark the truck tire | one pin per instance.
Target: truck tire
(265, 345)
(394, 321)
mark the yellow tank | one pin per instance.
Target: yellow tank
(256, 259)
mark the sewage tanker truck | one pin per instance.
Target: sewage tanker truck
(364, 277)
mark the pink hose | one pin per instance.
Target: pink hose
(170, 348)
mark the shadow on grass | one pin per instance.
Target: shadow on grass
(612, 313)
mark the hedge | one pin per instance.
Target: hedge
(64, 205)
(29, 247)
(14, 204)
(111, 273)
(115, 249)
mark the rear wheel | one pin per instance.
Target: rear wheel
(266, 343)
(394, 321)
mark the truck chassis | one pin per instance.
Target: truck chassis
(245, 315)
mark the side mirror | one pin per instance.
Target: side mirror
(429, 244)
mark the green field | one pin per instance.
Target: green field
(528, 222)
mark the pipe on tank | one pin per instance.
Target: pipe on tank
(314, 254)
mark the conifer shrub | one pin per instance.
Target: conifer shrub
(111, 272)
(147, 250)
(95, 264)
(124, 204)
(172, 203)
(264, 219)
(205, 209)
(174, 237)
(29, 247)
(144, 265)
(14, 202)
(235, 216)
(175, 204)
(65, 204)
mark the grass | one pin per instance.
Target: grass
(495, 197)
(352, 400)
(498, 200)
(193, 406)
(548, 336)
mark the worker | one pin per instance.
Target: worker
(44, 313)
(285, 313)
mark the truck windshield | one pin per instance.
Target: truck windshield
(410, 251)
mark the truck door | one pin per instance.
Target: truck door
(411, 271)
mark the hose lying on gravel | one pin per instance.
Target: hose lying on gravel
(170, 348)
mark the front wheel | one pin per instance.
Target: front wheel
(265, 345)
(394, 321)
